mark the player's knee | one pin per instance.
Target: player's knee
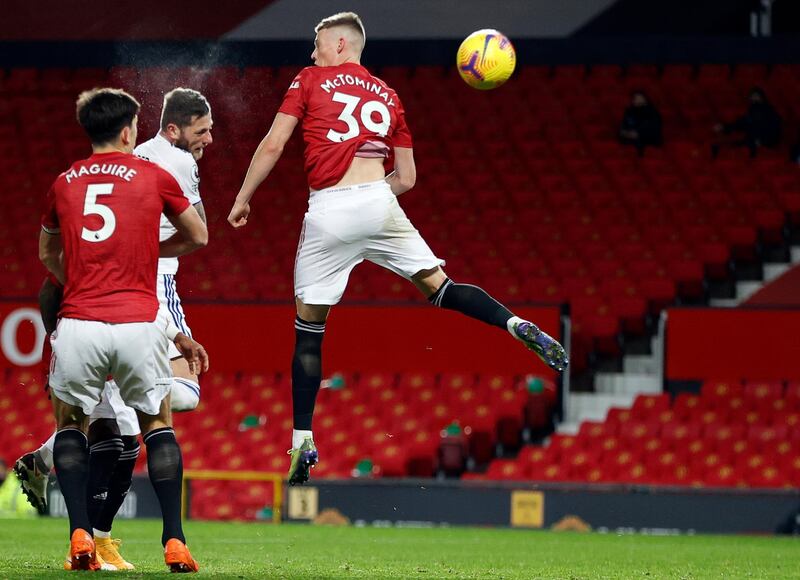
(101, 430)
(185, 395)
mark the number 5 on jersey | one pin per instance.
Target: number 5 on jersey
(91, 207)
(346, 116)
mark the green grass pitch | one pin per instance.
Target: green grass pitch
(35, 549)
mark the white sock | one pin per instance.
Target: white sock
(299, 436)
(46, 451)
(511, 322)
(100, 534)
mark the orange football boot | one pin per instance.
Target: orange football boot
(82, 551)
(178, 557)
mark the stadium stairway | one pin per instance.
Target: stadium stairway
(642, 372)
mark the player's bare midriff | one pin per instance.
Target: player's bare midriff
(362, 170)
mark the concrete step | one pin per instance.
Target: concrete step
(746, 289)
(723, 302)
(794, 253)
(627, 383)
(594, 406)
(773, 270)
(655, 345)
(568, 428)
(641, 364)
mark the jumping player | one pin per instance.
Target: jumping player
(352, 122)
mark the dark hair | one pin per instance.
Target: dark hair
(181, 106)
(103, 113)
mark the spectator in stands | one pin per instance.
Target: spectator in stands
(641, 123)
(760, 126)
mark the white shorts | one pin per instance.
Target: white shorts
(135, 354)
(347, 225)
(169, 303)
(111, 406)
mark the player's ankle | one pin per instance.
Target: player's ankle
(298, 436)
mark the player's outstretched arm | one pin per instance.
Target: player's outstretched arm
(192, 234)
(264, 159)
(51, 253)
(404, 175)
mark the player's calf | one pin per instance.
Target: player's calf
(165, 468)
(105, 447)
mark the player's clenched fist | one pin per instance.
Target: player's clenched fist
(239, 213)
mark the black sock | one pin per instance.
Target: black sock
(165, 467)
(120, 483)
(306, 370)
(472, 301)
(105, 446)
(71, 460)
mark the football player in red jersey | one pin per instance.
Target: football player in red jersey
(100, 239)
(352, 122)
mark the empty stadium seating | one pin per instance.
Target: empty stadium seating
(523, 189)
(733, 434)
(394, 419)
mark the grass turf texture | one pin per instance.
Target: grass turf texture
(36, 548)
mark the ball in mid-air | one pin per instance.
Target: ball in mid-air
(486, 59)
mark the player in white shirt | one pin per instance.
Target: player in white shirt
(185, 132)
(176, 148)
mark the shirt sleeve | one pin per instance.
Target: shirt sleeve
(188, 177)
(175, 202)
(294, 101)
(401, 137)
(50, 222)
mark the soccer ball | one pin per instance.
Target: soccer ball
(486, 59)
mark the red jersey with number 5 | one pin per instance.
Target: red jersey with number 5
(345, 112)
(107, 209)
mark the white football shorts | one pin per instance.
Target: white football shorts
(111, 406)
(86, 351)
(345, 226)
(169, 303)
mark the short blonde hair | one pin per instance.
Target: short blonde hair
(349, 20)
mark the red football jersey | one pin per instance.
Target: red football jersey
(343, 109)
(108, 209)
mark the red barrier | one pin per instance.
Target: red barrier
(783, 291)
(734, 343)
(261, 338)
(367, 338)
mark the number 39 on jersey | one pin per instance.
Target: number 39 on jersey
(365, 113)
